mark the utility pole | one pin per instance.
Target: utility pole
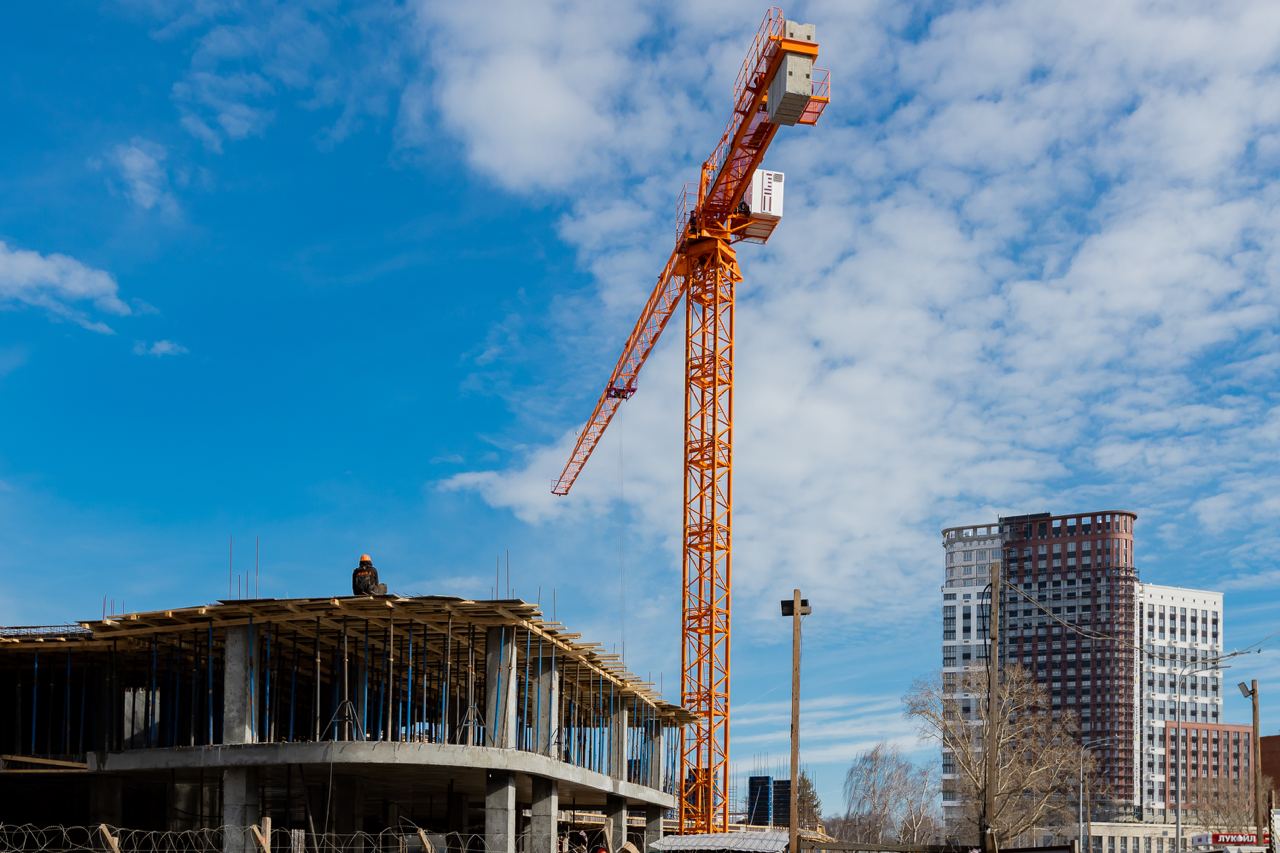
(795, 608)
(1080, 837)
(993, 710)
(794, 834)
(1257, 762)
(1250, 691)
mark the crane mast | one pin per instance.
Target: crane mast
(777, 85)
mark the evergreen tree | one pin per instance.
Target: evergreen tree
(807, 802)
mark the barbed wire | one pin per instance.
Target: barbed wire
(407, 838)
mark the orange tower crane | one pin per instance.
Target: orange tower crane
(736, 201)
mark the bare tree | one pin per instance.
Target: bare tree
(921, 821)
(1038, 751)
(887, 799)
(1220, 804)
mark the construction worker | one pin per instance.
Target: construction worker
(364, 580)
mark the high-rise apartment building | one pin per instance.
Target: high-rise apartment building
(973, 552)
(1118, 653)
(1181, 638)
(1078, 638)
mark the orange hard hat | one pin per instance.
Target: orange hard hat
(365, 558)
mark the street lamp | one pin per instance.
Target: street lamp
(795, 607)
(1084, 748)
(1250, 691)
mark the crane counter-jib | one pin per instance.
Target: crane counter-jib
(777, 86)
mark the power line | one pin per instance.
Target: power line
(1092, 635)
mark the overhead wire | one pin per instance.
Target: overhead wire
(1093, 635)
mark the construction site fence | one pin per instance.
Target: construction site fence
(252, 839)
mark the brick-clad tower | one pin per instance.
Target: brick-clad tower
(1079, 638)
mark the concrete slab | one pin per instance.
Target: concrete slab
(586, 785)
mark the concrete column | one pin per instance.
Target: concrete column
(546, 702)
(618, 742)
(500, 688)
(237, 698)
(543, 815)
(500, 812)
(652, 825)
(653, 749)
(615, 817)
(239, 808)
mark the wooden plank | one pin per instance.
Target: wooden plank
(112, 843)
(51, 762)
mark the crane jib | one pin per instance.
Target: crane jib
(661, 304)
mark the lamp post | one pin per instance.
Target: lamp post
(1179, 751)
(795, 607)
(990, 735)
(1250, 691)
(1084, 748)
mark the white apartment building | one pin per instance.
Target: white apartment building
(1181, 632)
(971, 551)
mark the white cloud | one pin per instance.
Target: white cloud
(1011, 278)
(245, 57)
(141, 165)
(159, 349)
(60, 285)
(547, 95)
(844, 725)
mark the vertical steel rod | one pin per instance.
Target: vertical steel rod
(208, 677)
(316, 709)
(293, 683)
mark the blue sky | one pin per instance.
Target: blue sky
(347, 278)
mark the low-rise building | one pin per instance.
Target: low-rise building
(332, 716)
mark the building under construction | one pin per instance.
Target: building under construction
(332, 716)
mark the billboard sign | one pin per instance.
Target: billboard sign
(1228, 839)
